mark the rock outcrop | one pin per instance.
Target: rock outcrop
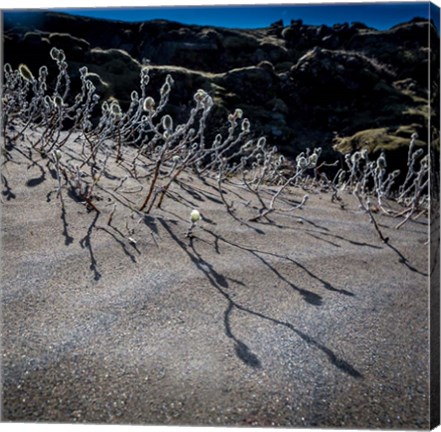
(300, 85)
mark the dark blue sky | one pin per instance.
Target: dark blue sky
(377, 15)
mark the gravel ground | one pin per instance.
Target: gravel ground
(306, 319)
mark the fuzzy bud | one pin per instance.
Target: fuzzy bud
(165, 89)
(169, 80)
(245, 125)
(43, 71)
(238, 113)
(302, 162)
(355, 157)
(54, 53)
(25, 73)
(195, 216)
(116, 109)
(58, 101)
(149, 104)
(207, 103)
(61, 56)
(145, 77)
(381, 161)
(200, 95)
(217, 140)
(261, 142)
(313, 160)
(167, 122)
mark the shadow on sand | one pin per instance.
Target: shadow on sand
(220, 283)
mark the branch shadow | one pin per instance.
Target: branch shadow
(150, 222)
(402, 259)
(191, 191)
(197, 193)
(354, 242)
(220, 283)
(242, 350)
(7, 191)
(36, 180)
(86, 242)
(270, 221)
(229, 210)
(180, 199)
(323, 240)
(120, 242)
(245, 223)
(327, 285)
(68, 239)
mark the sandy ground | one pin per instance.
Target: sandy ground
(307, 319)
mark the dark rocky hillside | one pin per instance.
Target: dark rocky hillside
(349, 85)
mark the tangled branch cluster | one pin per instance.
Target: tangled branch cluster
(161, 151)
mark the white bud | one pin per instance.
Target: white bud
(313, 160)
(149, 104)
(167, 122)
(200, 95)
(381, 161)
(238, 113)
(245, 126)
(302, 162)
(58, 101)
(261, 142)
(116, 109)
(25, 73)
(54, 53)
(195, 216)
(58, 154)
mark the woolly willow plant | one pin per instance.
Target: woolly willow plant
(195, 217)
(162, 151)
(412, 193)
(28, 101)
(365, 204)
(304, 162)
(15, 105)
(165, 150)
(183, 145)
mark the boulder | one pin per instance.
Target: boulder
(254, 84)
(326, 74)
